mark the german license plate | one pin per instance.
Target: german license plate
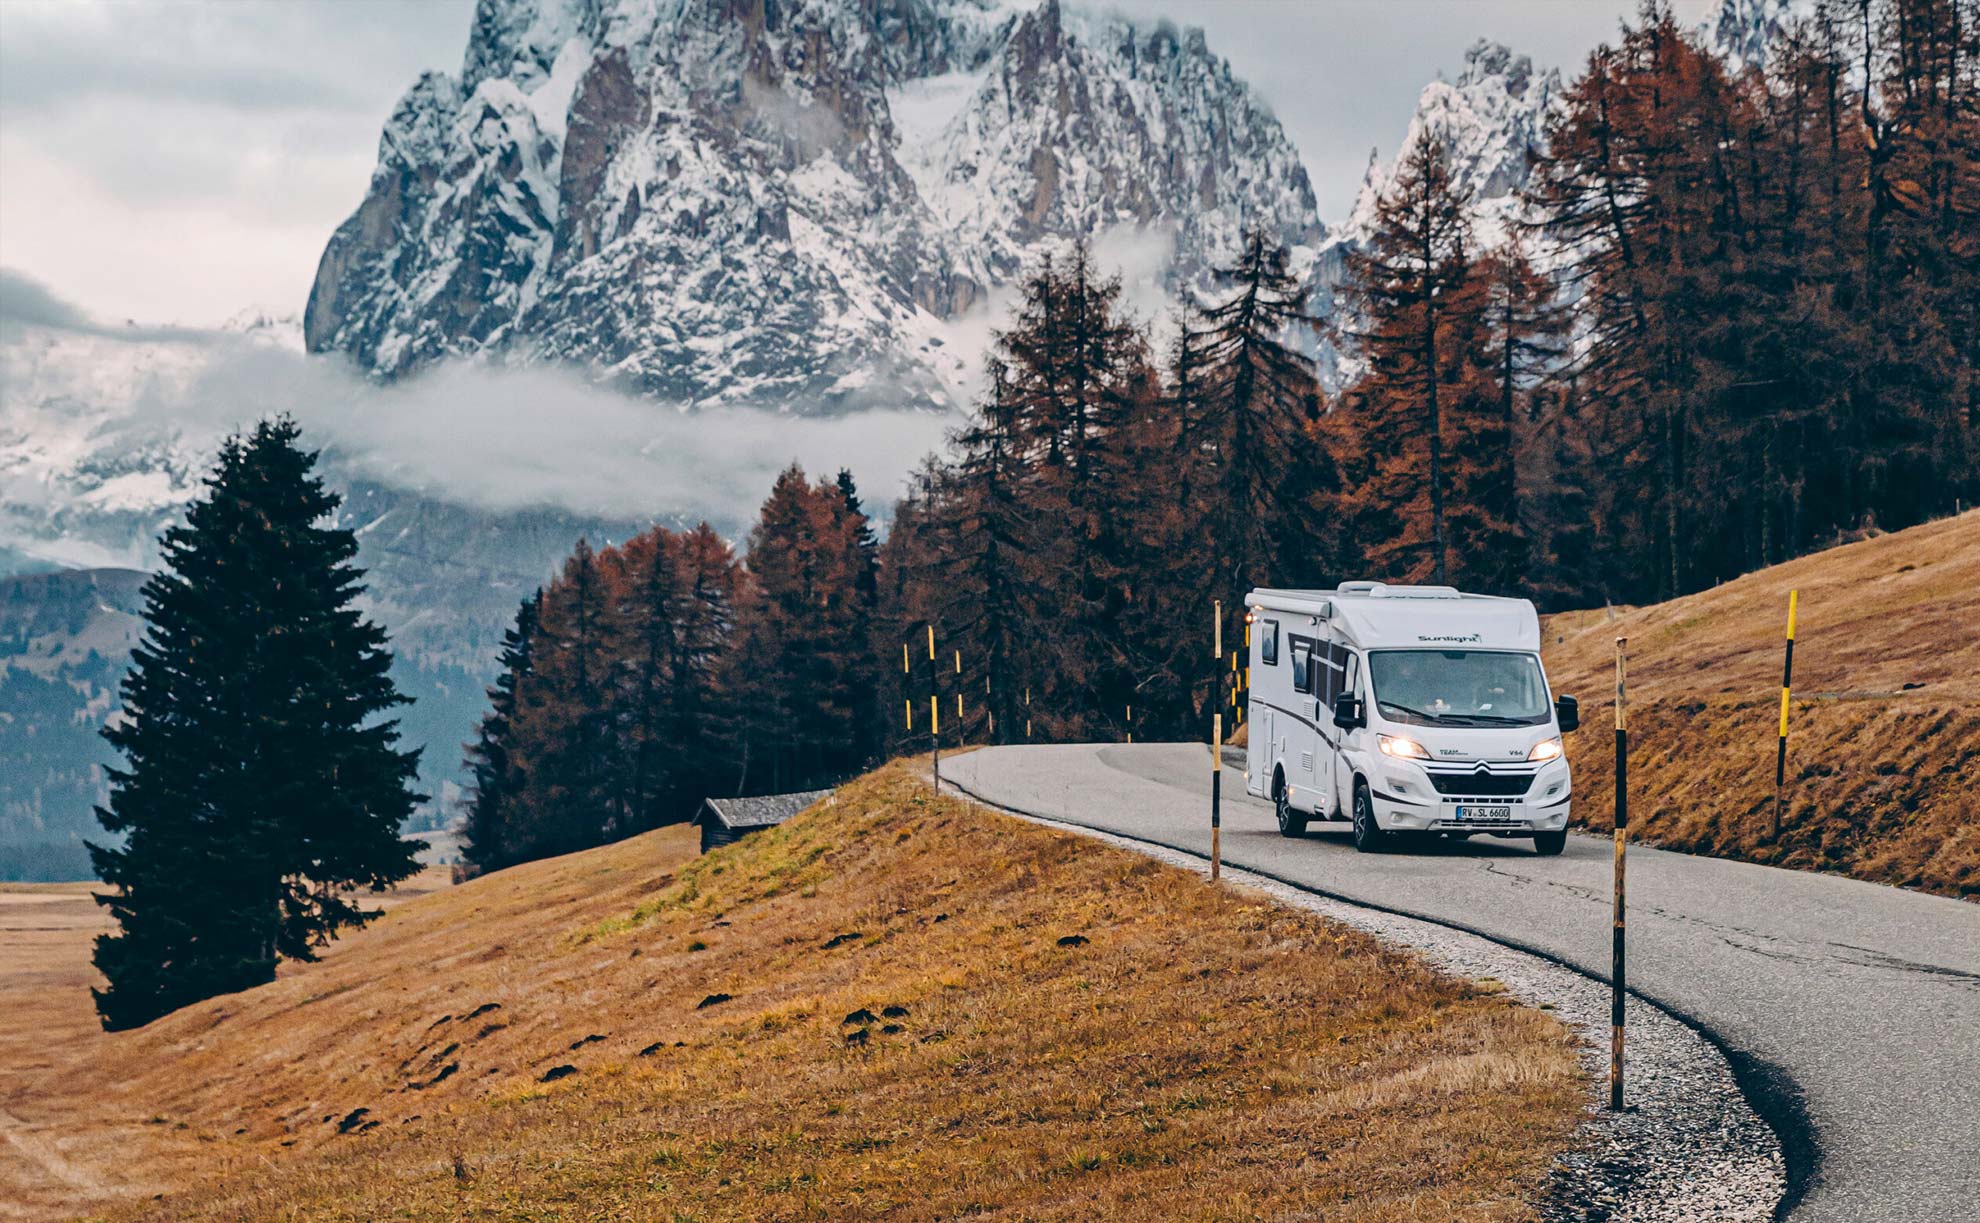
(1484, 813)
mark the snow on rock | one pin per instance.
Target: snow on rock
(1488, 122)
(1742, 30)
(719, 201)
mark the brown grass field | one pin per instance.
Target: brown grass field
(1883, 776)
(931, 1012)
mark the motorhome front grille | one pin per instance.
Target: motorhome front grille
(1482, 785)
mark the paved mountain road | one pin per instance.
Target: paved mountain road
(1850, 1010)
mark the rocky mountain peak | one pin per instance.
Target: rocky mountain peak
(1493, 63)
(1488, 121)
(791, 203)
(1742, 30)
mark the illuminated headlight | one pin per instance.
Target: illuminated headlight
(1546, 749)
(1407, 749)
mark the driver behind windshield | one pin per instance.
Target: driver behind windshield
(1475, 686)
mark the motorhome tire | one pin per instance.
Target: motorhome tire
(1547, 844)
(1368, 835)
(1292, 823)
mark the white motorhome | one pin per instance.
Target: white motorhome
(1410, 710)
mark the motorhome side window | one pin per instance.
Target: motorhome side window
(1302, 676)
(1268, 642)
(1327, 660)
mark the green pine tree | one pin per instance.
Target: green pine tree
(261, 784)
(494, 776)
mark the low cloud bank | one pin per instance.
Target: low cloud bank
(476, 433)
(506, 438)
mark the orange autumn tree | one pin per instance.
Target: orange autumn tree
(1446, 337)
(614, 714)
(803, 678)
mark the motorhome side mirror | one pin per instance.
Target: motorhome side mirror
(1348, 713)
(1567, 711)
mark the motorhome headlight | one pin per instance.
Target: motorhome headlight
(1546, 749)
(1396, 745)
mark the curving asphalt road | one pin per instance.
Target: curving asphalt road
(1850, 1011)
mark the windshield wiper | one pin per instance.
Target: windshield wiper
(1431, 717)
(1456, 719)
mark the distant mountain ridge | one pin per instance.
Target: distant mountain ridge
(721, 200)
(65, 639)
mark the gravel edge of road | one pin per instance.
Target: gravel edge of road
(1691, 1147)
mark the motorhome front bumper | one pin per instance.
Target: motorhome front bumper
(1407, 798)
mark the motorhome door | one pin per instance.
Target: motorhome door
(1329, 665)
(1309, 773)
(1350, 685)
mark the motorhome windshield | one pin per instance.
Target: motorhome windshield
(1459, 687)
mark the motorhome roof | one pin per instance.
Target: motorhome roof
(1375, 615)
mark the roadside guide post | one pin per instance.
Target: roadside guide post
(1787, 682)
(1217, 754)
(934, 710)
(1216, 796)
(1616, 986)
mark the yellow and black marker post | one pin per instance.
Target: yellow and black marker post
(1616, 979)
(934, 711)
(1216, 796)
(1787, 683)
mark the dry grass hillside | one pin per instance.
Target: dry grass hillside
(1883, 733)
(894, 1007)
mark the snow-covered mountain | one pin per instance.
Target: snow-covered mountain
(1488, 120)
(789, 204)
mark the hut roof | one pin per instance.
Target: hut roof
(758, 811)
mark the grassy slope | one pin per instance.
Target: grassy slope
(1204, 1055)
(1883, 736)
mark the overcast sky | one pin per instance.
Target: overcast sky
(179, 162)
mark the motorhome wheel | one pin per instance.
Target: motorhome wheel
(1291, 823)
(1368, 835)
(1547, 844)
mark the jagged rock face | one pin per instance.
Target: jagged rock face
(1742, 30)
(782, 202)
(1488, 122)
